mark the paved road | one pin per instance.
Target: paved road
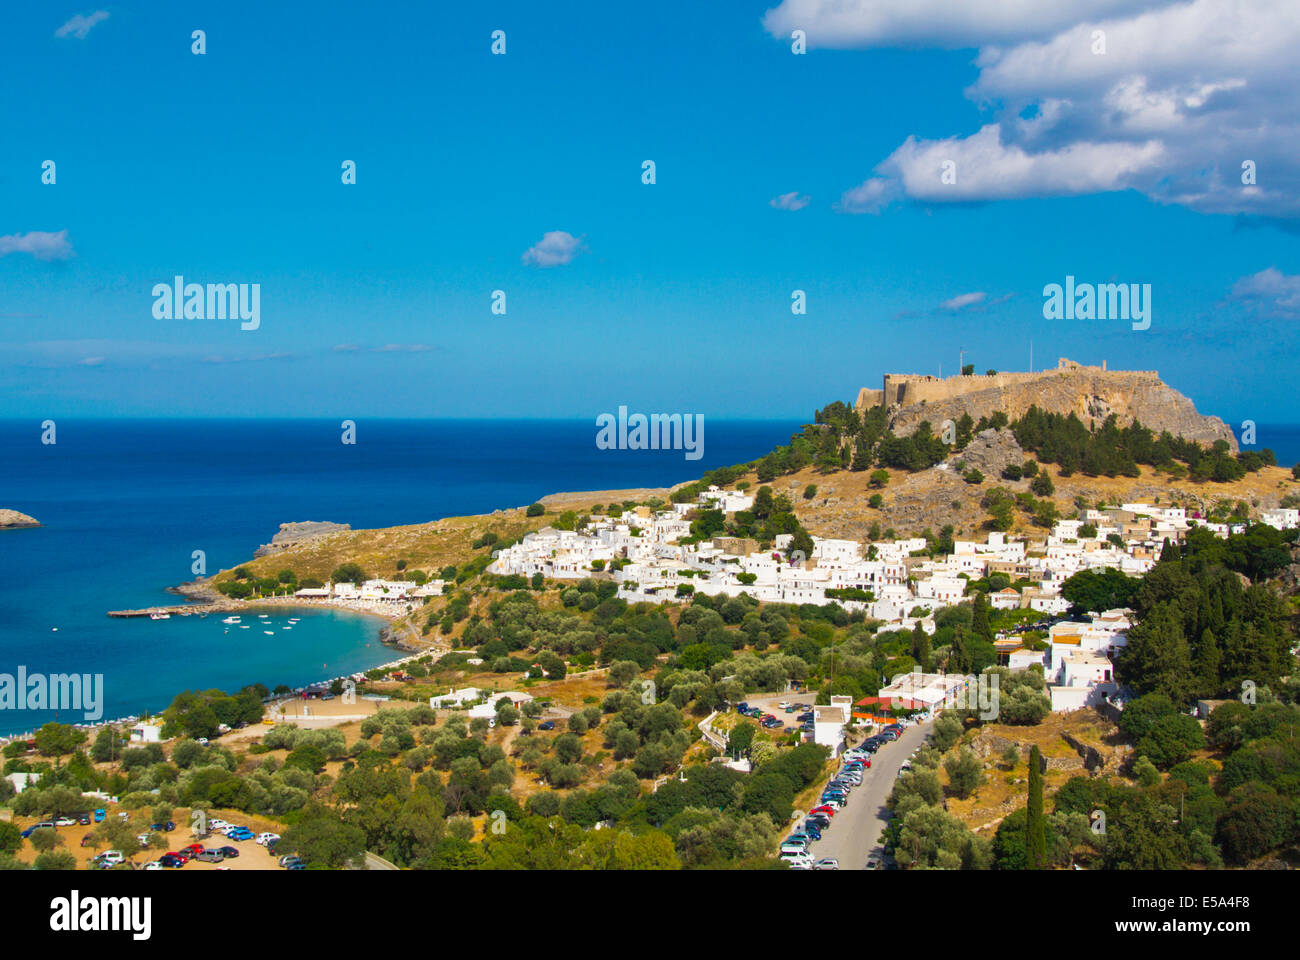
(855, 830)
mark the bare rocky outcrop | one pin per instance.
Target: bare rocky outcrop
(294, 534)
(13, 520)
(990, 452)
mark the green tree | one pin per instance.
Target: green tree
(1035, 828)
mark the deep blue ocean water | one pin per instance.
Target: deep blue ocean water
(124, 504)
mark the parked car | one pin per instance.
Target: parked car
(238, 833)
(824, 809)
(143, 840)
(826, 863)
(216, 823)
(37, 826)
(296, 866)
(264, 838)
(171, 861)
(193, 850)
(99, 815)
(228, 852)
(167, 827)
(874, 862)
(83, 819)
(65, 822)
(288, 859)
(797, 860)
(153, 865)
(109, 858)
(811, 828)
(209, 856)
(177, 854)
(546, 725)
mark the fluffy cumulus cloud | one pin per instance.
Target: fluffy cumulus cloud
(80, 25)
(42, 246)
(1270, 292)
(555, 249)
(791, 201)
(1186, 102)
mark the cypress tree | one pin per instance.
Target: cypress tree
(979, 623)
(1035, 826)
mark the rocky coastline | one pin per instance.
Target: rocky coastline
(13, 520)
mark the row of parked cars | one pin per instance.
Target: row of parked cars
(795, 849)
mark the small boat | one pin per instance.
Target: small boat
(160, 616)
(243, 626)
(269, 633)
(294, 619)
(288, 628)
(230, 620)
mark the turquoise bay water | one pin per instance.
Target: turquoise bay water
(124, 504)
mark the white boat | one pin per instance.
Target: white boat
(294, 619)
(288, 628)
(243, 626)
(230, 620)
(269, 632)
(160, 616)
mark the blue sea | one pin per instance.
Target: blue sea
(125, 503)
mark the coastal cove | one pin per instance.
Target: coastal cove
(125, 503)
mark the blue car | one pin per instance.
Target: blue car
(99, 815)
(811, 828)
(243, 833)
(34, 827)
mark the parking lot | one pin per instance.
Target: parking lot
(252, 856)
(855, 830)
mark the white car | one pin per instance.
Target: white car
(265, 838)
(784, 704)
(143, 840)
(110, 858)
(826, 863)
(216, 823)
(65, 822)
(153, 865)
(797, 861)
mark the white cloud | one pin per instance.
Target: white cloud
(81, 24)
(943, 23)
(403, 348)
(986, 169)
(346, 348)
(1270, 292)
(42, 246)
(554, 249)
(1184, 95)
(870, 196)
(92, 361)
(794, 200)
(962, 301)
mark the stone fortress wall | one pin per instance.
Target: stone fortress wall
(1091, 392)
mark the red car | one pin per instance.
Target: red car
(824, 808)
(192, 851)
(180, 855)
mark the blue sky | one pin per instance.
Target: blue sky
(375, 297)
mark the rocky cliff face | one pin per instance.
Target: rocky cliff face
(12, 520)
(292, 534)
(1092, 396)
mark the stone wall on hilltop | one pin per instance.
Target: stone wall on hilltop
(1091, 393)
